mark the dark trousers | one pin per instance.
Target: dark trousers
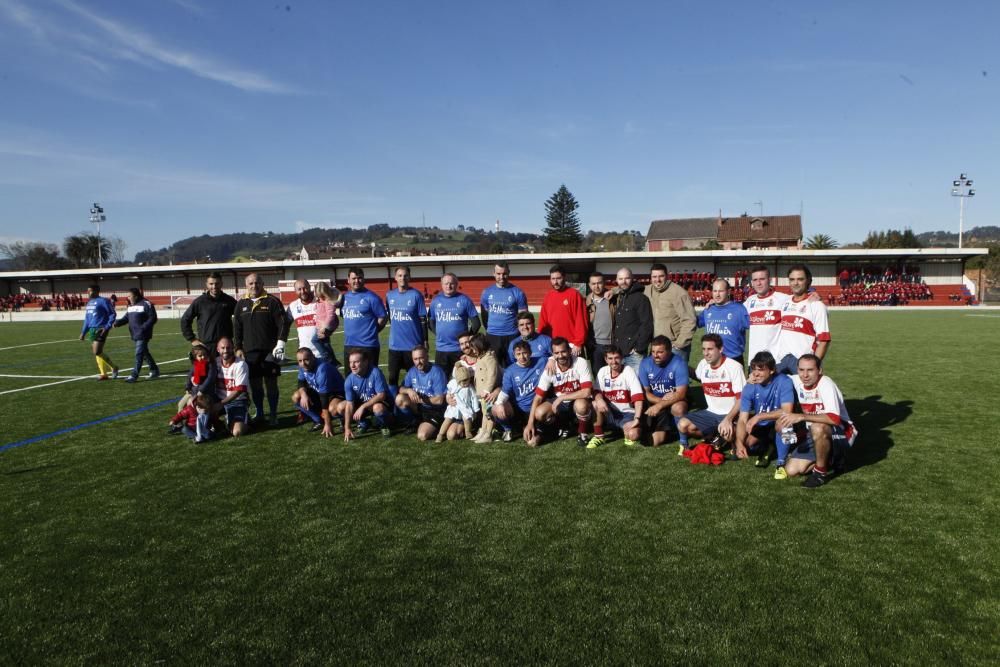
(596, 353)
(142, 354)
(499, 345)
(447, 361)
(399, 360)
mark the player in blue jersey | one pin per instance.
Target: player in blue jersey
(365, 393)
(97, 322)
(407, 326)
(363, 316)
(451, 314)
(664, 379)
(728, 319)
(517, 389)
(499, 307)
(541, 345)
(320, 391)
(421, 399)
(766, 397)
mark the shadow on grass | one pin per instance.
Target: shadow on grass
(873, 417)
(24, 471)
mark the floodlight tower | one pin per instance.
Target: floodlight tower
(97, 217)
(962, 188)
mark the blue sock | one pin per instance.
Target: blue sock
(406, 414)
(309, 413)
(504, 423)
(781, 447)
(393, 391)
(380, 420)
(682, 436)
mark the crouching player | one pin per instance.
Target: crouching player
(570, 380)
(767, 396)
(830, 431)
(321, 389)
(232, 380)
(421, 399)
(722, 382)
(618, 400)
(664, 377)
(517, 389)
(366, 393)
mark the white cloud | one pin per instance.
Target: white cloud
(116, 40)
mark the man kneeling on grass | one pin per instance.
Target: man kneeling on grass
(664, 377)
(321, 386)
(421, 399)
(366, 393)
(517, 389)
(232, 380)
(822, 446)
(570, 380)
(767, 396)
(618, 400)
(722, 382)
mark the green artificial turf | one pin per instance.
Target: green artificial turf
(123, 544)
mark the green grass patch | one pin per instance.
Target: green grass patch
(123, 544)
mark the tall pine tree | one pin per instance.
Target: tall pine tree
(562, 228)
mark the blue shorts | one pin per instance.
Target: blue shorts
(841, 441)
(565, 408)
(236, 412)
(706, 422)
(788, 364)
(615, 419)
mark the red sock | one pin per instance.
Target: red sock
(598, 429)
(821, 471)
(582, 426)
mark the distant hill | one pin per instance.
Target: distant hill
(972, 237)
(346, 242)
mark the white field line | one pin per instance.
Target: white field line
(975, 315)
(49, 342)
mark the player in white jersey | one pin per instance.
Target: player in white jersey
(722, 381)
(823, 445)
(764, 308)
(571, 382)
(233, 381)
(618, 399)
(805, 327)
(302, 311)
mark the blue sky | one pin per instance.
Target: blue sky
(185, 117)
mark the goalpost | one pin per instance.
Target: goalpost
(181, 300)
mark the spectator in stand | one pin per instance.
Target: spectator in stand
(140, 318)
(564, 311)
(845, 278)
(673, 312)
(213, 312)
(97, 322)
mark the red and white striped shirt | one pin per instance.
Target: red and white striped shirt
(622, 391)
(577, 377)
(803, 324)
(234, 377)
(765, 322)
(722, 385)
(825, 398)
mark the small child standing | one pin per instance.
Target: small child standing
(195, 419)
(326, 319)
(201, 378)
(465, 408)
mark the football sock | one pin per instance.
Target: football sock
(406, 414)
(818, 470)
(380, 420)
(309, 413)
(682, 436)
(782, 448)
(100, 365)
(598, 429)
(582, 425)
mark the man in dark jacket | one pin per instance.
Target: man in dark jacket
(633, 320)
(260, 331)
(214, 311)
(140, 318)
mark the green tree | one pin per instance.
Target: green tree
(820, 242)
(33, 256)
(892, 238)
(711, 244)
(562, 226)
(75, 249)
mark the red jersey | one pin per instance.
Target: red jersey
(564, 314)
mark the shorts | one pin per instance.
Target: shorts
(662, 422)
(236, 412)
(764, 432)
(615, 419)
(261, 364)
(706, 422)
(432, 414)
(93, 336)
(841, 440)
(565, 408)
(399, 360)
